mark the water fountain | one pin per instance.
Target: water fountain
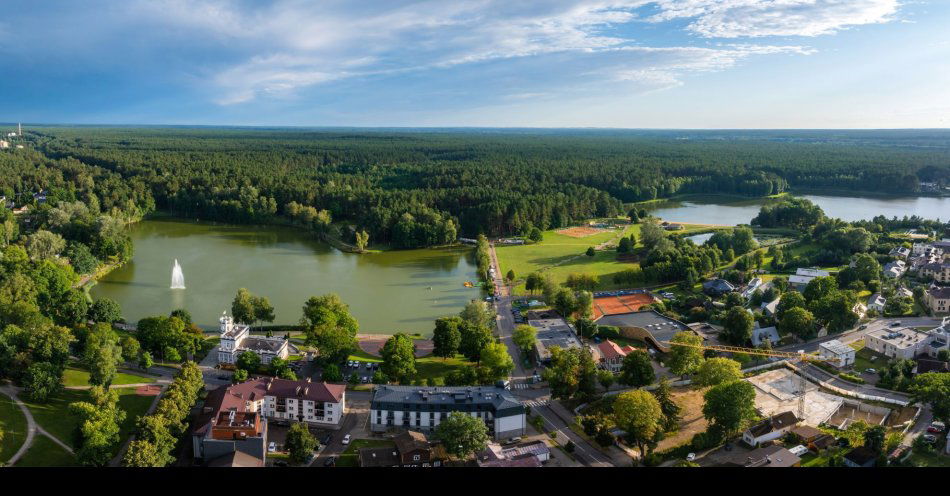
(178, 277)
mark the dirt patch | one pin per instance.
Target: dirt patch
(374, 345)
(148, 390)
(580, 232)
(692, 421)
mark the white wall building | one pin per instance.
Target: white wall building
(423, 408)
(236, 339)
(907, 343)
(839, 354)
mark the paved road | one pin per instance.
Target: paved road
(856, 388)
(505, 321)
(349, 424)
(856, 334)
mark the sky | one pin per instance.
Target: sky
(481, 63)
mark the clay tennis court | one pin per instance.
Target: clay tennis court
(148, 390)
(580, 232)
(613, 305)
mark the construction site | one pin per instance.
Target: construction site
(780, 390)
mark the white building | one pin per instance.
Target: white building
(895, 269)
(907, 343)
(839, 354)
(423, 408)
(938, 299)
(236, 339)
(876, 302)
(754, 284)
(803, 276)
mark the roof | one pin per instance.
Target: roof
(901, 338)
(861, 455)
(408, 441)
(877, 299)
(553, 332)
(806, 431)
(939, 293)
(498, 398)
(768, 456)
(721, 285)
(522, 455)
(836, 347)
(379, 457)
(759, 335)
(925, 365)
(823, 441)
(610, 350)
(812, 272)
(771, 306)
(256, 389)
(236, 459)
(774, 423)
(259, 343)
(661, 327)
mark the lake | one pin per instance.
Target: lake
(387, 292)
(713, 210)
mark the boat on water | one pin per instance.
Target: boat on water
(469, 284)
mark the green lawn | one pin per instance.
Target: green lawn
(46, 453)
(925, 459)
(76, 376)
(13, 426)
(862, 360)
(350, 456)
(426, 367)
(55, 418)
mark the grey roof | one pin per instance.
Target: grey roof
(497, 398)
(771, 306)
(272, 345)
(759, 335)
(719, 285)
(661, 327)
(939, 293)
(553, 332)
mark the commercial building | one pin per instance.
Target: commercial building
(650, 326)
(803, 276)
(553, 332)
(423, 408)
(236, 339)
(899, 343)
(837, 353)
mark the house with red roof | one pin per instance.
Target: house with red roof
(611, 354)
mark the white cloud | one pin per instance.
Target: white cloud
(292, 44)
(758, 18)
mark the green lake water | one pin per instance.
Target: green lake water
(387, 292)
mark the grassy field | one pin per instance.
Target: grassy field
(46, 453)
(55, 418)
(928, 459)
(427, 367)
(350, 457)
(13, 426)
(76, 376)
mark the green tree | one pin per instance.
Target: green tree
(637, 369)
(737, 326)
(730, 405)
(496, 363)
(105, 310)
(42, 381)
(241, 375)
(362, 240)
(399, 360)
(462, 434)
(478, 313)
(874, 439)
(715, 371)
(142, 453)
(671, 411)
(242, 308)
(638, 414)
(799, 322)
(300, 443)
(586, 327)
(933, 388)
(510, 276)
(571, 373)
(44, 245)
(447, 337)
(535, 235)
(525, 337)
(145, 361)
(790, 300)
(130, 348)
(330, 327)
(97, 435)
(474, 340)
(819, 287)
(683, 360)
(590, 251)
(606, 379)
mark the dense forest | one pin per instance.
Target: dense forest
(420, 188)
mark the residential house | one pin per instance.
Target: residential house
(906, 342)
(423, 408)
(938, 271)
(876, 302)
(837, 353)
(803, 276)
(750, 288)
(900, 252)
(895, 269)
(925, 365)
(771, 307)
(718, 287)
(236, 339)
(767, 456)
(769, 429)
(412, 449)
(806, 433)
(761, 334)
(531, 454)
(860, 457)
(937, 299)
(611, 355)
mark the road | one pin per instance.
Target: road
(858, 334)
(505, 321)
(351, 419)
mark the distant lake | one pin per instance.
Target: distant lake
(387, 292)
(712, 210)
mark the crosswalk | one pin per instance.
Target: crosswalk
(522, 385)
(537, 403)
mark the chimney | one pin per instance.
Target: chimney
(297, 390)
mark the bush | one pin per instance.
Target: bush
(608, 332)
(652, 460)
(853, 378)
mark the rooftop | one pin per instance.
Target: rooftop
(554, 332)
(836, 347)
(902, 338)
(759, 335)
(661, 327)
(499, 398)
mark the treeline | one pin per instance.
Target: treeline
(417, 189)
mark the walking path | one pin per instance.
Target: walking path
(117, 460)
(32, 427)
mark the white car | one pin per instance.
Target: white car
(690, 457)
(272, 447)
(346, 440)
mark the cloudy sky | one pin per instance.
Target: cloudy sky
(552, 63)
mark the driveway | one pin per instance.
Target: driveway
(354, 423)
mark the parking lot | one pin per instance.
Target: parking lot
(363, 370)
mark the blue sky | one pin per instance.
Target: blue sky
(556, 63)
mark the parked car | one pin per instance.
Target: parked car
(870, 371)
(930, 438)
(327, 439)
(512, 440)
(936, 427)
(330, 462)
(346, 440)
(895, 324)
(272, 447)
(862, 327)
(690, 457)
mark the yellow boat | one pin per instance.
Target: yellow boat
(469, 284)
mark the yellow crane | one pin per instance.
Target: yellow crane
(800, 355)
